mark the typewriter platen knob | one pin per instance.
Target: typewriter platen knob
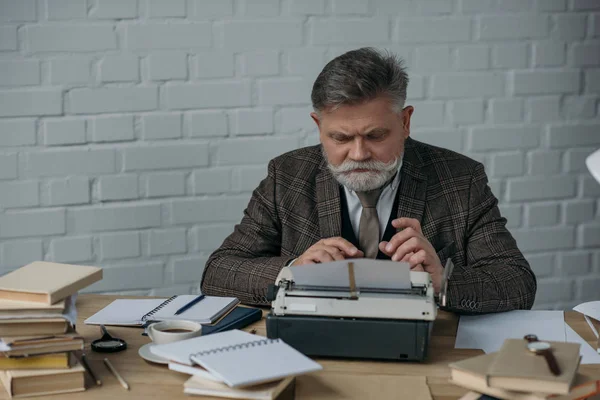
(272, 292)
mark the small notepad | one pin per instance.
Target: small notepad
(239, 358)
(138, 311)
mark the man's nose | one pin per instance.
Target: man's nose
(359, 151)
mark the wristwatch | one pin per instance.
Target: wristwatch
(543, 349)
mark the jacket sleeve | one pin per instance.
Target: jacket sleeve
(250, 258)
(496, 277)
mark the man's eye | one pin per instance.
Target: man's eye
(340, 138)
(375, 136)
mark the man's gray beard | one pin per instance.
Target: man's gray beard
(378, 175)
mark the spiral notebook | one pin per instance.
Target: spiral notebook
(133, 312)
(238, 358)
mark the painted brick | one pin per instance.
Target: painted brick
(17, 132)
(551, 5)
(540, 239)
(212, 181)
(34, 102)
(506, 110)
(580, 107)
(468, 85)
(208, 9)
(70, 70)
(246, 179)
(494, 7)
(8, 165)
(294, 119)
(43, 38)
(577, 211)
(434, 29)
(590, 187)
(117, 217)
(432, 58)
(569, 27)
(596, 24)
(434, 7)
(66, 9)
(575, 159)
(19, 194)
(118, 187)
(8, 37)
(416, 89)
(504, 138)
(219, 209)
(541, 264)
(472, 57)
(215, 65)
(208, 123)
(512, 55)
(263, 63)
(449, 139)
(64, 131)
(513, 214)
(307, 7)
(32, 223)
(589, 235)
(24, 10)
(112, 129)
(114, 9)
(209, 95)
(121, 68)
(553, 290)
(19, 73)
(161, 126)
(167, 65)
(72, 190)
(542, 162)
(466, 111)
(339, 31)
(252, 121)
(69, 162)
(261, 8)
(165, 156)
(350, 6)
(71, 249)
(583, 55)
(542, 214)
(188, 269)
(592, 81)
(208, 238)
(167, 241)
(573, 135)
(513, 27)
(555, 187)
(148, 274)
(546, 82)
(589, 289)
(428, 113)
(113, 99)
(287, 91)
(119, 245)
(164, 184)
(243, 35)
(543, 109)
(509, 164)
(21, 252)
(159, 8)
(153, 35)
(583, 5)
(251, 151)
(548, 54)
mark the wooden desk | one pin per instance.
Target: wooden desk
(362, 379)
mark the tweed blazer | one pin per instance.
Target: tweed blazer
(298, 203)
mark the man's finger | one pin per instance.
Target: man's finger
(322, 256)
(410, 246)
(417, 267)
(398, 239)
(418, 258)
(404, 222)
(341, 244)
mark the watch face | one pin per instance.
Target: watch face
(538, 346)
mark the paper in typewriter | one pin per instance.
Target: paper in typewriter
(368, 273)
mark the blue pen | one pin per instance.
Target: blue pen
(190, 304)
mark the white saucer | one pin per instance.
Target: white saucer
(147, 355)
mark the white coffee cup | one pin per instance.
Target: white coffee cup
(173, 331)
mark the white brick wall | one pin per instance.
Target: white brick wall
(133, 132)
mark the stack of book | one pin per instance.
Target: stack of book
(37, 328)
(516, 373)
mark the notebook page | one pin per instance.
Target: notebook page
(180, 351)
(206, 311)
(255, 362)
(123, 312)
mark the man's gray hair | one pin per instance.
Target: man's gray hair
(360, 75)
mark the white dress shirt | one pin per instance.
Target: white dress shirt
(384, 205)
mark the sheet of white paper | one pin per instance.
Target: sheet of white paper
(367, 274)
(588, 354)
(123, 312)
(591, 309)
(488, 332)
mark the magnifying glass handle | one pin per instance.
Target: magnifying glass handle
(104, 331)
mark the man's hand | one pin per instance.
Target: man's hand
(411, 246)
(327, 250)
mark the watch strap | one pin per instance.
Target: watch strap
(552, 363)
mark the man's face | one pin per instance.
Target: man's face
(363, 143)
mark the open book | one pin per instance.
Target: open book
(239, 358)
(139, 311)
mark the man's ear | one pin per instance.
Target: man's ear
(315, 118)
(406, 114)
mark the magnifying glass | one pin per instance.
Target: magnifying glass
(107, 343)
